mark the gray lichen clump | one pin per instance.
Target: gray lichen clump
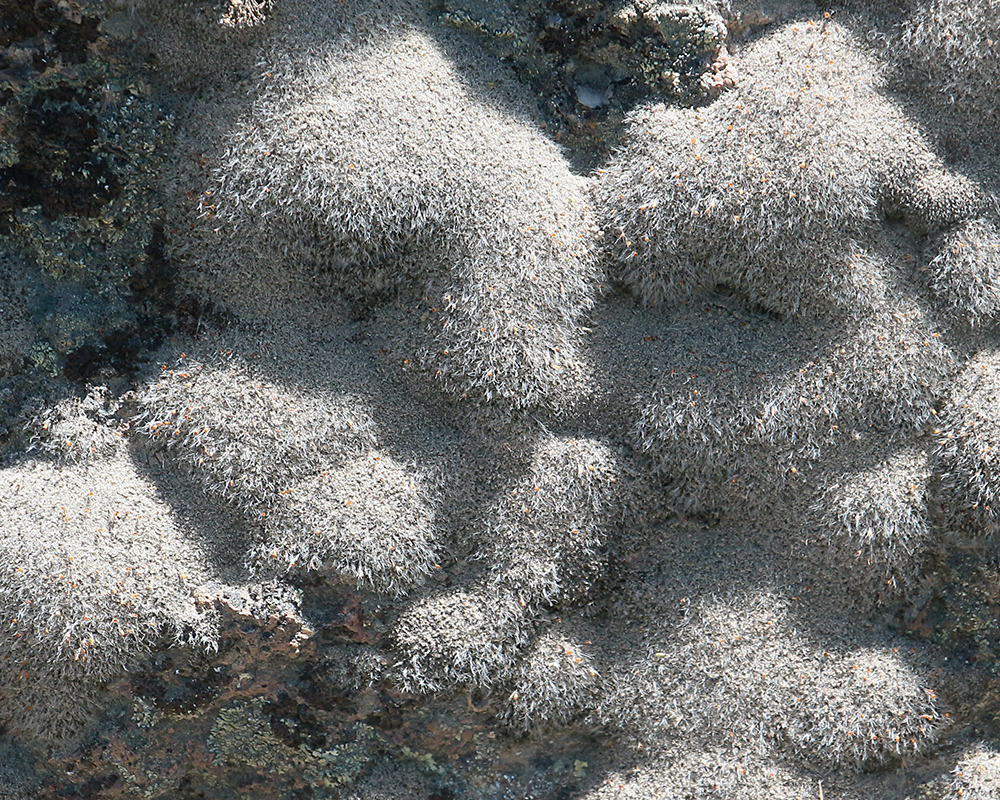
(774, 190)
(955, 43)
(97, 571)
(442, 453)
(339, 163)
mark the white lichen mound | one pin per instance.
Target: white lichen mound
(243, 436)
(866, 707)
(74, 429)
(876, 523)
(543, 543)
(368, 156)
(965, 273)
(370, 521)
(967, 459)
(976, 776)
(709, 771)
(955, 43)
(745, 403)
(465, 638)
(302, 463)
(96, 570)
(555, 681)
(775, 190)
(738, 670)
(548, 533)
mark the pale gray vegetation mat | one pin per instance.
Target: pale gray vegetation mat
(653, 462)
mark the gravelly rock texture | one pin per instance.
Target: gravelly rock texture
(479, 399)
